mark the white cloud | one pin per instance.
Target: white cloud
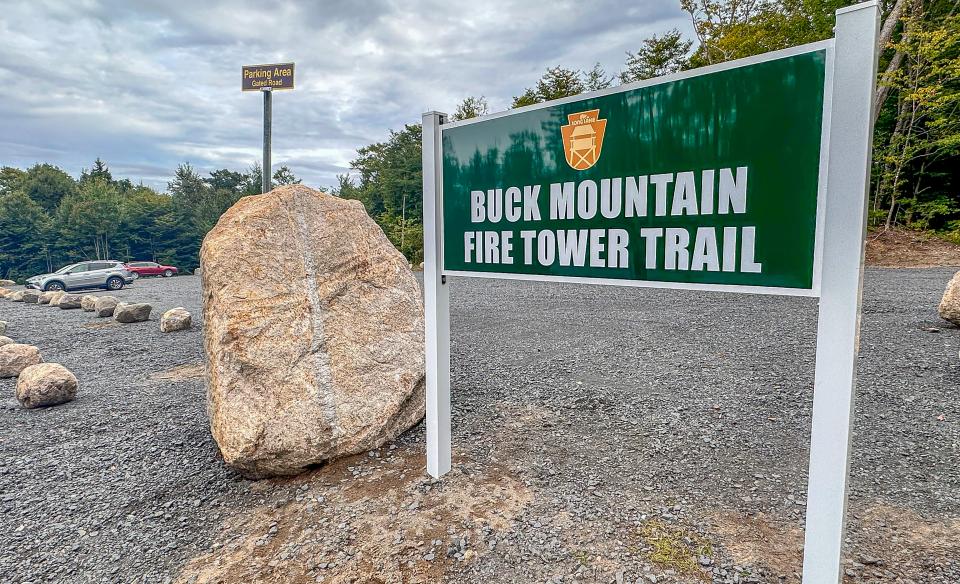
(146, 85)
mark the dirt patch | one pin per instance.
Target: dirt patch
(899, 248)
(888, 543)
(181, 372)
(758, 540)
(895, 544)
(365, 519)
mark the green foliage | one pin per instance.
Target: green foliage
(23, 236)
(557, 82)
(98, 217)
(471, 107)
(47, 185)
(658, 55)
(284, 176)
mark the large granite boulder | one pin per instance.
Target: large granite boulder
(950, 303)
(16, 296)
(131, 312)
(55, 297)
(105, 306)
(69, 301)
(31, 296)
(16, 357)
(46, 384)
(4, 292)
(5, 283)
(175, 319)
(88, 302)
(313, 329)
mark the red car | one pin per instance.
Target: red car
(141, 269)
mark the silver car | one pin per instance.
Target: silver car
(108, 274)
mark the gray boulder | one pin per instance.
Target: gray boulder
(88, 302)
(31, 296)
(16, 357)
(69, 301)
(105, 306)
(175, 319)
(133, 312)
(46, 384)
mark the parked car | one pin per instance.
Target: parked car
(109, 274)
(150, 269)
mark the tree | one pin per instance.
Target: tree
(927, 128)
(88, 220)
(47, 185)
(23, 236)
(596, 78)
(658, 55)
(187, 188)
(732, 29)
(98, 172)
(253, 180)
(285, 176)
(471, 107)
(557, 82)
(10, 179)
(226, 179)
(390, 185)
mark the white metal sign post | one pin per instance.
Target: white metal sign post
(800, 132)
(838, 329)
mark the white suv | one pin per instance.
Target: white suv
(108, 274)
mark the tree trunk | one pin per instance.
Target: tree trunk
(886, 34)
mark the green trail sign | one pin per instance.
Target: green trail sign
(746, 176)
(711, 180)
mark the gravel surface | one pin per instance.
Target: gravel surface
(600, 435)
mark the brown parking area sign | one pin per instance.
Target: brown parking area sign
(275, 76)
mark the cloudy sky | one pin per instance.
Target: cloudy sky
(148, 84)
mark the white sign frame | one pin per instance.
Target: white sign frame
(846, 147)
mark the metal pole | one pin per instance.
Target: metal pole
(267, 130)
(854, 69)
(436, 303)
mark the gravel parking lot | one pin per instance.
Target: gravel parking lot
(600, 435)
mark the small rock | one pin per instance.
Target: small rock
(69, 301)
(105, 306)
(175, 319)
(3, 327)
(16, 357)
(132, 312)
(88, 302)
(6, 341)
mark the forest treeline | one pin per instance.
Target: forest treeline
(48, 218)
